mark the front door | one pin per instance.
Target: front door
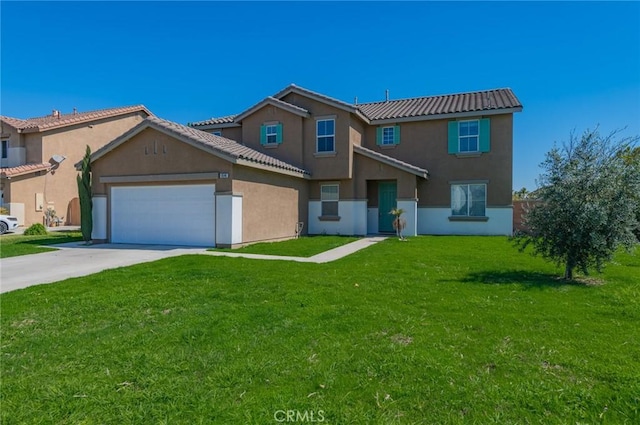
(387, 194)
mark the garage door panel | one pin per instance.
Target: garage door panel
(171, 215)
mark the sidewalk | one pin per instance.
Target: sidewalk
(323, 257)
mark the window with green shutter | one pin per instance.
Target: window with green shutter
(270, 134)
(388, 136)
(469, 136)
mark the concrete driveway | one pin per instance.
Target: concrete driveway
(76, 259)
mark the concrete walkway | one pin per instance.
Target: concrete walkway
(323, 257)
(76, 259)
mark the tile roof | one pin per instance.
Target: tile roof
(444, 104)
(23, 169)
(62, 120)
(406, 109)
(413, 169)
(227, 148)
(229, 119)
(14, 122)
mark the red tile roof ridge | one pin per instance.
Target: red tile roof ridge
(433, 96)
(23, 169)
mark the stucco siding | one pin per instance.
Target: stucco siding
(435, 221)
(291, 149)
(324, 166)
(23, 190)
(353, 219)
(151, 152)
(272, 203)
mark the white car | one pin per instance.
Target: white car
(7, 223)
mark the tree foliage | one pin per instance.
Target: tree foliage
(589, 192)
(84, 193)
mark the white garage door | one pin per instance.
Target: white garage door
(168, 215)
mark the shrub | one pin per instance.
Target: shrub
(4, 211)
(36, 229)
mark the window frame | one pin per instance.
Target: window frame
(468, 197)
(325, 136)
(5, 149)
(324, 201)
(469, 136)
(384, 140)
(268, 135)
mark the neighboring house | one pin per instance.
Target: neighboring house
(301, 156)
(38, 155)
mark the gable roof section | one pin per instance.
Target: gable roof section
(222, 147)
(49, 122)
(430, 107)
(275, 102)
(23, 169)
(292, 88)
(396, 163)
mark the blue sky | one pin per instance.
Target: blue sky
(573, 65)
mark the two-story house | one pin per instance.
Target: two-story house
(38, 154)
(302, 157)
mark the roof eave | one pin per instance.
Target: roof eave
(214, 126)
(260, 166)
(274, 102)
(9, 177)
(382, 158)
(40, 129)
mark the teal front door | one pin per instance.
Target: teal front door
(387, 194)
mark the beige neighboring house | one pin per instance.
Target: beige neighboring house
(38, 156)
(301, 159)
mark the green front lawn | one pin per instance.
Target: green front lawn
(435, 330)
(14, 245)
(306, 246)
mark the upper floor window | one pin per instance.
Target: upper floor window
(326, 134)
(5, 149)
(217, 132)
(468, 136)
(468, 200)
(388, 136)
(270, 134)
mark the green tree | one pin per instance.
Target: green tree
(520, 194)
(631, 156)
(84, 193)
(589, 196)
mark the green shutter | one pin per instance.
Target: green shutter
(396, 135)
(453, 136)
(279, 133)
(263, 134)
(485, 135)
(379, 136)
